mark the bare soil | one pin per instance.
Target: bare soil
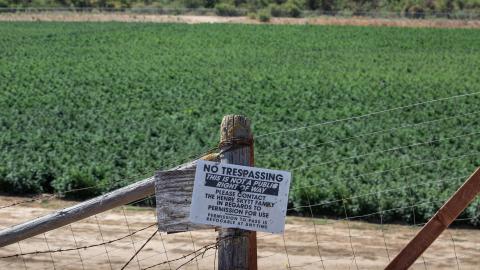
(307, 243)
(189, 19)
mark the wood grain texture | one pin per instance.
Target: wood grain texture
(438, 223)
(174, 196)
(238, 251)
(119, 197)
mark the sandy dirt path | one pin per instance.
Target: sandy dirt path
(189, 19)
(307, 243)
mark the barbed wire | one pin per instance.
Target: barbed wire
(360, 216)
(198, 252)
(112, 248)
(63, 193)
(385, 171)
(36, 198)
(384, 151)
(381, 131)
(329, 122)
(140, 249)
(119, 247)
(143, 174)
(312, 205)
(378, 192)
(195, 253)
(78, 248)
(330, 221)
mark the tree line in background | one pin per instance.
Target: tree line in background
(276, 8)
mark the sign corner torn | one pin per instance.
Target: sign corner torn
(234, 196)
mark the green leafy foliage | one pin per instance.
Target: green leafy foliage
(264, 15)
(95, 106)
(224, 9)
(456, 9)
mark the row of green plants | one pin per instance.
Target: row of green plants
(276, 8)
(91, 107)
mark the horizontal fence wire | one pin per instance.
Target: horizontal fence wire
(379, 192)
(349, 218)
(355, 117)
(189, 257)
(323, 182)
(105, 243)
(78, 248)
(393, 149)
(366, 115)
(142, 176)
(357, 231)
(362, 135)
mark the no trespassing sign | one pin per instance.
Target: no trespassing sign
(234, 196)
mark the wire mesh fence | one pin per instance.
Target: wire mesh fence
(109, 240)
(126, 237)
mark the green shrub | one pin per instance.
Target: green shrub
(289, 9)
(346, 13)
(3, 4)
(193, 3)
(224, 9)
(277, 10)
(264, 15)
(83, 181)
(34, 178)
(472, 4)
(417, 12)
(83, 3)
(312, 4)
(444, 6)
(210, 3)
(175, 8)
(252, 15)
(414, 12)
(328, 5)
(293, 8)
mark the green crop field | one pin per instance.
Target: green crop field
(105, 104)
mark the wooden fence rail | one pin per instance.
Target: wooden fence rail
(438, 223)
(116, 198)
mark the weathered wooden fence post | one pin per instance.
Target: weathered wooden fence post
(237, 248)
(438, 223)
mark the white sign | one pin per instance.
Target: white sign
(234, 196)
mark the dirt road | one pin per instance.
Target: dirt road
(307, 243)
(189, 19)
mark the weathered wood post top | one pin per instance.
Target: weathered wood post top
(239, 249)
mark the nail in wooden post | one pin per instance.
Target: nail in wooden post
(239, 250)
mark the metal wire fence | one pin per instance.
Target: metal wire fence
(127, 237)
(110, 241)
